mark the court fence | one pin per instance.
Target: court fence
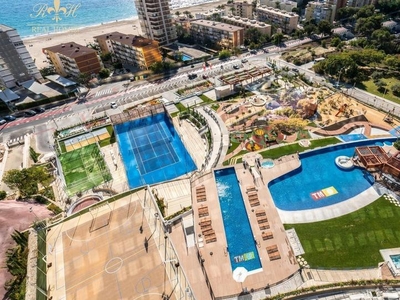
(160, 233)
(137, 113)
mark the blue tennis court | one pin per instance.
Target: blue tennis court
(152, 151)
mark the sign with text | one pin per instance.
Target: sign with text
(318, 195)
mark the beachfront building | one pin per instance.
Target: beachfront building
(320, 11)
(285, 5)
(131, 49)
(156, 20)
(16, 64)
(287, 21)
(210, 14)
(242, 9)
(224, 35)
(73, 59)
(247, 24)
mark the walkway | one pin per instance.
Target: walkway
(351, 126)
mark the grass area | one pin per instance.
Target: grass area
(84, 168)
(352, 240)
(289, 149)
(370, 87)
(233, 146)
(41, 264)
(206, 99)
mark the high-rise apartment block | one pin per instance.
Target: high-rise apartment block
(242, 9)
(286, 5)
(73, 59)
(16, 64)
(131, 49)
(287, 21)
(320, 11)
(225, 35)
(156, 20)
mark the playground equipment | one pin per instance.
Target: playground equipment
(342, 109)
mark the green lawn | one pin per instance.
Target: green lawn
(84, 169)
(353, 240)
(370, 87)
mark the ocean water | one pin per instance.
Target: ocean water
(37, 17)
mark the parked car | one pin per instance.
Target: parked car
(114, 104)
(236, 67)
(9, 118)
(2, 121)
(244, 60)
(205, 76)
(192, 76)
(253, 51)
(295, 70)
(30, 113)
(39, 110)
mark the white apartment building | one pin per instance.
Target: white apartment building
(287, 21)
(285, 5)
(16, 64)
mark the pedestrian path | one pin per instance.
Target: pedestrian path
(103, 92)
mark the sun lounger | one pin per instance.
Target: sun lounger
(263, 226)
(203, 211)
(272, 249)
(262, 219)
(260, 213)
(201, 199)
(267, 235)
(254, 203)
(205, 222)
(251, 189)
(211, 238)
(208, 232)
(274, 256)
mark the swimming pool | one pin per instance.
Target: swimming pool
(186, 57)
(319, 182)
(268, 164)
(152, 150)
(352, 137)
(395, 260)
(241, 246)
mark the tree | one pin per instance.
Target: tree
(309, 29)
(94, 46)
(84, 79)
(224, 54)
(104, 73)
(380, 85)
(47, 71)
(16, 263)
(335, 41)
(106, 56)
(26, 180)
(325, 27)
(178, 13)
(396, 89)
(277, 38)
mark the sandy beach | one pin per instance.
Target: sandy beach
(84, 36)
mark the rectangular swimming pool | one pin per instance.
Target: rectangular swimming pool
(152, 150)
(241, 246)
(395, 260)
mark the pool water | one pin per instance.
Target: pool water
(267, 164)
(395, 260)
(186, 57)
(152, 151)
(319, 182)
(352, 137)
(241, 246)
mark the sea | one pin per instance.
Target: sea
(42, 17)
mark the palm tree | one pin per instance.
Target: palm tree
(186, 13)
(178, 13)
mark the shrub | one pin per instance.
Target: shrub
(396, 144)
(3, 195)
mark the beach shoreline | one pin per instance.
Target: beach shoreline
(84, 35)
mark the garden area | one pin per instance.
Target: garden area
(83, 169)
(352, 240)
(193, 89)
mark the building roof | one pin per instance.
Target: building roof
(35, 87)
(127, 39)
(246, 21)
(216, 25)
(5, 28)
(64, 82)
(8, 95)
(70, 49)
(277, 11)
